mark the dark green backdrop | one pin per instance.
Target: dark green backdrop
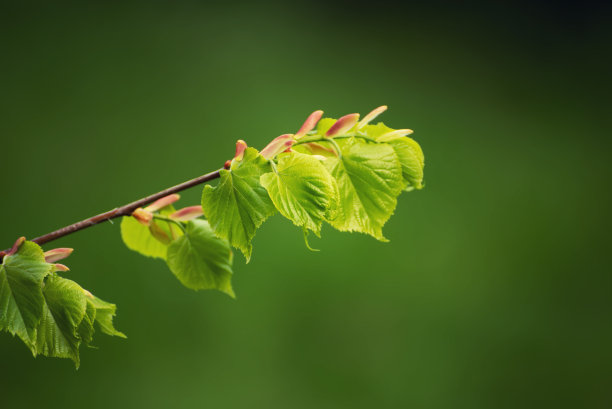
(494, 291)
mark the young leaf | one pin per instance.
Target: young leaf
(408, 152)
(144, 239)
(412, 160)
(64, 309)
(201, 260)
(86, 327)
(369, 178)
(302, 190)
(21, 297)
(105, 312)
(238, 205)
(324, 125)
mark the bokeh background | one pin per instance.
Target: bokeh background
(495, 290)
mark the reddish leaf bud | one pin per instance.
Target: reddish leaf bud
(16, 246)
(342, 125)
(370, 117)
(187, 213)
(309, 124)
(163, 202)
(240, 148)
(54, 255)
(398, 133)
(60, 267)
(227, 164)
(278, 145)
(143, 216)
(317, 148)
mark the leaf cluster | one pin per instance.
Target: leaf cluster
(345, 173)
(52, 315)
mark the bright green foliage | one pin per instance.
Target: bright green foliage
(369, 178)
(239, 204)
(350, 179)
(143, 239)
(86, 327)
(412, 160)
(407, 149)
(64, 309)
(21, 297)
(302, 190)
(194, 254)
(201, 260)
(68, 318)
(104, 316)
(324, 125)
(51, 314)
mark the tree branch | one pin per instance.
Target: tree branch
(124, 210)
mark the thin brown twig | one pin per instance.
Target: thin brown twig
(124, 210)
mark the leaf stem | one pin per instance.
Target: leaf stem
(169, 220)
(337, 148)
(124, 210)
(325, 139)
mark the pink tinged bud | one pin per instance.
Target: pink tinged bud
(143, 216)
(187, 213)
(163, 202)
(397, 134)
(317, 148)
(370, 117)
(342, 125)
(309, 124)
(240, 148)
(60, 267)
(54, 255)
(278, 145)
(16, 246)
(227, 164)
(288, 144)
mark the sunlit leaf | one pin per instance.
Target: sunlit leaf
(142, 239)
(369, 178)
(64, 309)
(302, 190)
(200, 259)
(21, 297)
(239, 204)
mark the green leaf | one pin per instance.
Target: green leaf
(302, 190)
(375, 131)
(324, 125)
(105, 312)
(86, 327)
(412, 160)
(64, 309)
(238, 205)
(408, 151)
(21, 297)
(142, 239)
(369, 178)
(201, 260)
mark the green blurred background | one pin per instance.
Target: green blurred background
(495, 290)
